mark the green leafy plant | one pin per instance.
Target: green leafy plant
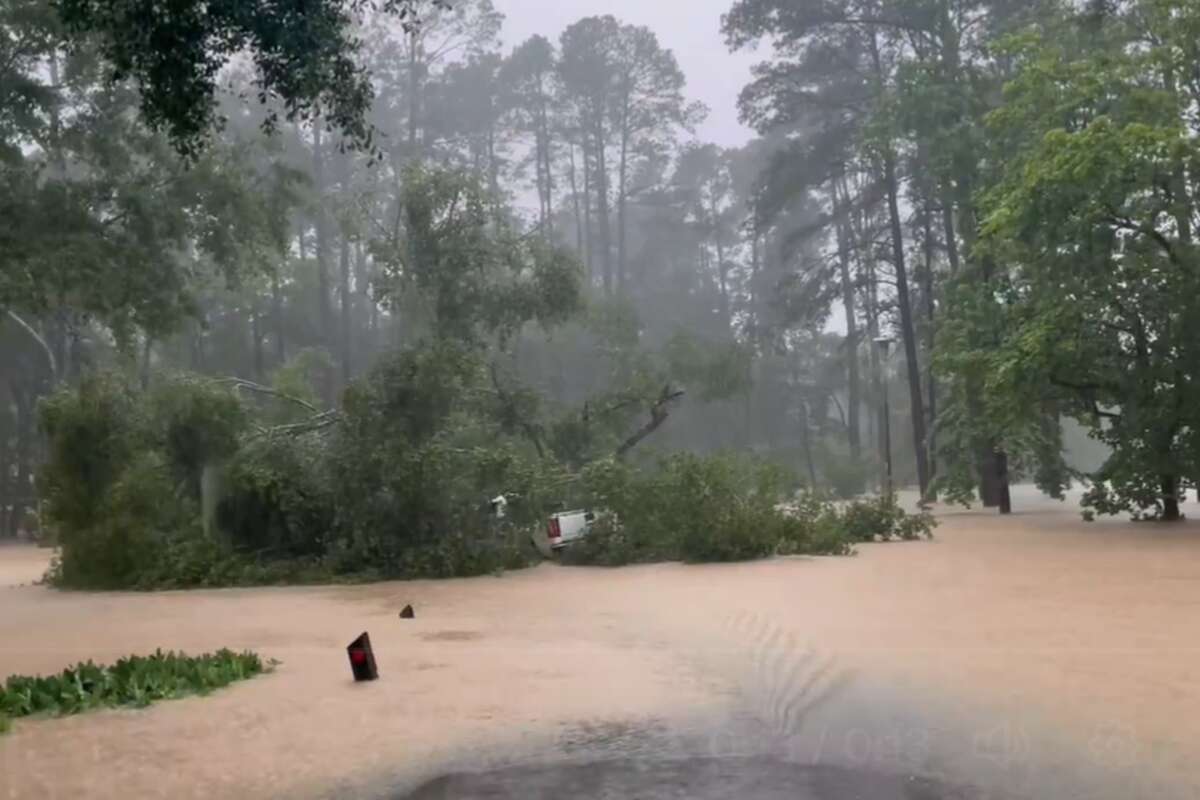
(881, 518)
(135, 681)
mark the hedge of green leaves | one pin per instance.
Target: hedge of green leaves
(136, 681)
(725, 507)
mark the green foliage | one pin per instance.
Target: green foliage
(307, 60)
(881, 518)
(1087, 233)
(276, 498)
(474, 275)
(136, 681)
(419, 454)
(197, 424)
(93, 433)
(397, 485)
(122, 481)
(813, 527)
(99, 218)
(141, 511)
(722, 508)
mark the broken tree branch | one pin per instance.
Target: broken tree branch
(658, 415)
(318, 422)
(258, 388)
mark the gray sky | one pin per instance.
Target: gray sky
(691, 28)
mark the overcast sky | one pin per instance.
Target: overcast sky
(691, 28)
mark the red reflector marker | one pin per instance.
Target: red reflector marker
(362, 659)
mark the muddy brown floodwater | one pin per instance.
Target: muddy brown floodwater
(1034, 656)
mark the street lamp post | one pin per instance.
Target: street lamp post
(884, 344)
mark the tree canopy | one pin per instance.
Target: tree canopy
(304, 54)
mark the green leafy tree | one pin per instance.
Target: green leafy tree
(1093, 223)
(304, 56)
(465, 276)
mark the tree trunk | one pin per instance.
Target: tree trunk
(927, 293)
(576, 204)
(754, 267)
(602, 209)
(540, 176)
(147, 355)
(621, 277)
(948, 231)
(197, 345)
(907, 332)
(872, 312)
(256, 336)
(806, 445)
(722, 269)
(277, 321)
(994, 463)
(1004, 500)
(75, 352)
(1170, 500)
(587, 209)
(659, 411)
(414, 91)
(362, 288)
(347, 309)
(853, 390)
(548, 168)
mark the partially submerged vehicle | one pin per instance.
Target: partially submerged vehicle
(562, 528)
(567, 527)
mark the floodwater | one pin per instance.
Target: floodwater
(1035, 656)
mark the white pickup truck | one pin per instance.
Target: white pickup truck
(562, 529)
